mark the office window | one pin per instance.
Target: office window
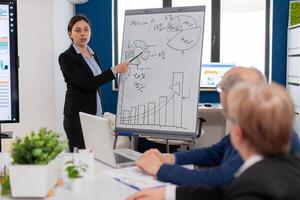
(236, 31)
(243, 32)
(206, 54)
(127, 5)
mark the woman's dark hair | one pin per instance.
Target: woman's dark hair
(76, 19)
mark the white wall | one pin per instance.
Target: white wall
(40, 37)
(63, 11)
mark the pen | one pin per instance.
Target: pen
(127, 183)
(135, 57)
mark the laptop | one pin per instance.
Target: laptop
(97, 135)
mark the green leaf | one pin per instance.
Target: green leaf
(37, 152)
(70, 168)
(37, 148)
(5, 185)
(73, 173)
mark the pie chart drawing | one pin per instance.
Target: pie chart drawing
(183, 33)
(137, 47)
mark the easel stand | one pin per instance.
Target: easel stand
(134, 137)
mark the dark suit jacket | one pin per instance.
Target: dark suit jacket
(273, 178)
(221, 159)
(81, 84)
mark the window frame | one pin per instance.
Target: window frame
(215, 34)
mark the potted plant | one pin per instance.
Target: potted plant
(75, 174)
(4, 180)
(36, 165)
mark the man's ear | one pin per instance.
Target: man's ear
(239, 135)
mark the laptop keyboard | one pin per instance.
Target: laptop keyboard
(128, 153)
(122, 159)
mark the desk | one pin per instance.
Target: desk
(214, 107)
(215, 126)
(103, 187)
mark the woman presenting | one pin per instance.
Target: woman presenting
(83, 75)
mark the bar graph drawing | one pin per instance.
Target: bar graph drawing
(165, 112)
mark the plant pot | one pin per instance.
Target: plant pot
(34, 180)
(76, 184)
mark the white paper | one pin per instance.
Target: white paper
(134, 177)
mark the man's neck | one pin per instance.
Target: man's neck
(247, 153)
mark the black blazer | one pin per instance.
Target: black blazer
(81, 84)
(273, 178)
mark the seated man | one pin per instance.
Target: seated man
(221, 160)
(262, 137)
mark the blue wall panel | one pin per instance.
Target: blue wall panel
(99, 13)
(279, 48)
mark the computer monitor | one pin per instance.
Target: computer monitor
(9, 93)
(212, 74)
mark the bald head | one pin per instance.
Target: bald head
(236, 75)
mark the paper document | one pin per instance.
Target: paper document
(135, 178)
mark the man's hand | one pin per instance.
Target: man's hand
(165, 158)
(150, 163)
(149, 194)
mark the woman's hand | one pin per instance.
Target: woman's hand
(121, 68)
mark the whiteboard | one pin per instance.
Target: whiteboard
(160, 93)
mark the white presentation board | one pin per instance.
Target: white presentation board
(160, 93)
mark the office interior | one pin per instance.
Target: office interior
(42, 36)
